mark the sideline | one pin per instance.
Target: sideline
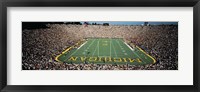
(66, 50)
(154, 61)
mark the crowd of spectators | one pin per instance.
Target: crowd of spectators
(41, 46)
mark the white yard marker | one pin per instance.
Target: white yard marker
(95, 49)
(98, 48)
(114, 50)
(77, 50)
(133, 51)
(110, 47)
(128, 46)
(119, 44)
(82, 45)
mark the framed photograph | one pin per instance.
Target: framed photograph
(74, 45)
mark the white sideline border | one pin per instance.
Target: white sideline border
(82, 44)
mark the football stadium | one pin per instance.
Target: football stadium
(105, 51)
(99, 46)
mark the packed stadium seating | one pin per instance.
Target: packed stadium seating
(41, 46)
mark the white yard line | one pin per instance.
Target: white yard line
(95, 49)
(77, 50)
(98, 48)
(114, 50)
(110, 47)
(118, 43)
(91, 43)
(132, 50)
(82, 44)
(128, 46)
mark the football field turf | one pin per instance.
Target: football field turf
(105, 51)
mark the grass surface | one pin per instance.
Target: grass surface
(105, 51)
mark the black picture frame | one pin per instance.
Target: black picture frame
(100, 3)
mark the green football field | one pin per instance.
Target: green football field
(105, 51)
